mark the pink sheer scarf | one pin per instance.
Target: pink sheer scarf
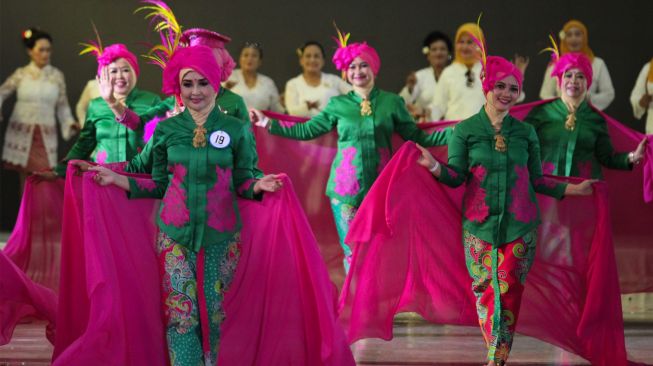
(34, 244)
(408, 256)
(280, 308)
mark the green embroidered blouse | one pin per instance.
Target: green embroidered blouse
(199, 185)
(499, 204)
(579, 152)
(364, 142)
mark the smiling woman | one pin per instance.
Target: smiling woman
(370, 114)
(104, 138)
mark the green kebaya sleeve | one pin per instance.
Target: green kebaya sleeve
(454, 173)
(605, 153)
(405, 126)
(243, 173)
(324, 122)
(83, 147)
(156, 186)
(541, 184)
(142, 162)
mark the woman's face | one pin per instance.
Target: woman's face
(466, 47)
(197, 93)
(40, 53)
(250, 59)
(438, 54)
(122, 76)
(504, 95)
(574, 38)
(360, 73)
(574, 83)
(312, 59)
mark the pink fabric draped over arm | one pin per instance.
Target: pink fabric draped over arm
(631, 205)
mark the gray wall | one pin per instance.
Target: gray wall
(619, 34)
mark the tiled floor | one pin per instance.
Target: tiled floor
(415, 343)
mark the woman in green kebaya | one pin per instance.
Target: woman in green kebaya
(365, 120)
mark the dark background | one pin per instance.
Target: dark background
(619, 32)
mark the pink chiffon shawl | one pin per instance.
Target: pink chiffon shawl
(280, 308)
(408, 256)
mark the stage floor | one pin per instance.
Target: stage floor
(415, 343)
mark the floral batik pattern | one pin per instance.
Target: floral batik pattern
(179, 269)
(346, 178)
(343, 214)
(503, 269)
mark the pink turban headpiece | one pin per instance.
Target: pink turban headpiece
(569, 61)
(113, 52)
(216, 42)
(497, 68)
(345, 55)
(198, 58)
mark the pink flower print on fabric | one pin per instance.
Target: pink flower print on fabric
(474, 202)
(346, 180)
(452, 173)
(174, 211)
(384, 158)
(101, 157)
(585, 169)
(524, 209)
(245, 186)
(286, 124)
(219, 202)
(548, 167)
(145, 184)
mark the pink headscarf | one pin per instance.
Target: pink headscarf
(498, 68)
(114, 52)
(573, 60)
(216, 42)
(345, 55)
(198, 58)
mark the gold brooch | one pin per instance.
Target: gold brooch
(570, 123)
(500, 143)
(199, 140)
(366, 108)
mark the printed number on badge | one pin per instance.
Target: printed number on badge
(220, 139)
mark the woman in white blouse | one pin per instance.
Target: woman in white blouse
(420, 85)
(641, 97)
(459, 94)
(31, 138)
(308, 93)
(574, 38)
(258, 91)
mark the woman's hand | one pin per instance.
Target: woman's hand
(583, 188)
(106, 86)
(104, 177)
(83, 166)
(411, 81)
(269, 183)
(428, 161)
(638, 154)
(521, 62)
(258, 118)
(45, 175)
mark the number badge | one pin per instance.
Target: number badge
(219, 139)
